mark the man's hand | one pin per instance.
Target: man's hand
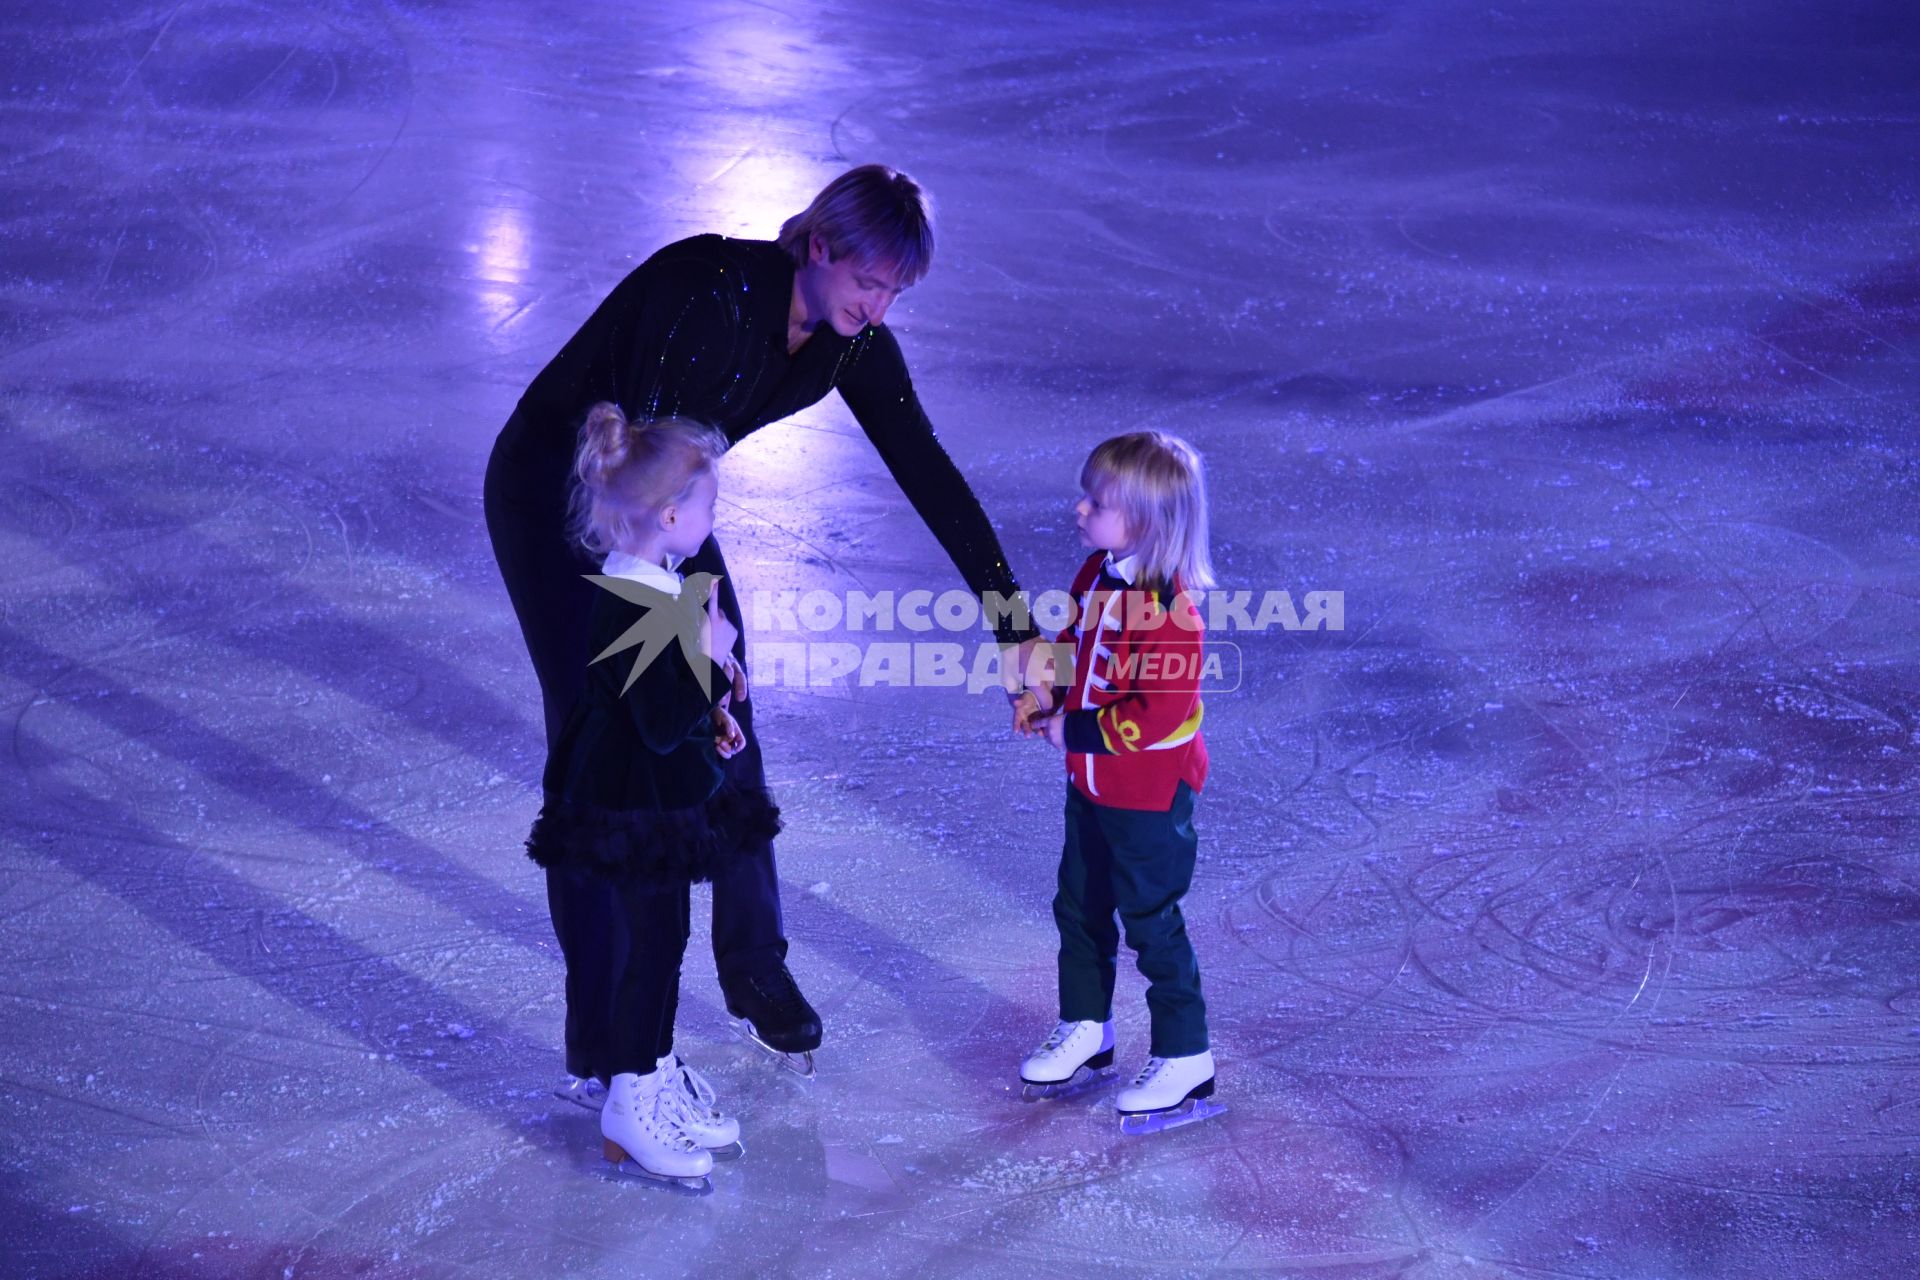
(717, 635)
(1029, 709)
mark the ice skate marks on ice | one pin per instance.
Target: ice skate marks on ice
(801, 1064)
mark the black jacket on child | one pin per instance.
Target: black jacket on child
(633, 785)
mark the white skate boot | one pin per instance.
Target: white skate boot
(1168, 1093)
(1077, 1057)
(701, 1118)
(642, 1135)
(581, 1092)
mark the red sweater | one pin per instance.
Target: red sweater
(1133, 710)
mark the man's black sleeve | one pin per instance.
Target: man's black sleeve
(876, 387)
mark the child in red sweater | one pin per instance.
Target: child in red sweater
(1129, 724)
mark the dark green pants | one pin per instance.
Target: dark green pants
(1138, 864)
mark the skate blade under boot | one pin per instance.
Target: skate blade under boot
(1084, 1080)
(801, 1064)
(582, 1092)
(627, 1167)
(1191, 1111)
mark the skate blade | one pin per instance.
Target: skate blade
(801, 1064)
(631, 1168)
(1085, 1080)
(581, 1093)
(732, 1151)
(1192, 1111)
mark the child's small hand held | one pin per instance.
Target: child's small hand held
(1054, 729)
(729, 739)
(1025, 707)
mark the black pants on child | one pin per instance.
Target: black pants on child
(1138, 864)
(526, 494)
(626, 999)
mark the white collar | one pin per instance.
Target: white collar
(621, 565)
(1125, 570)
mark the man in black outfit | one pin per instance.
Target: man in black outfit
(735, 334)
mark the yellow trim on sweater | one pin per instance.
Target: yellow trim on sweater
(1184, 733)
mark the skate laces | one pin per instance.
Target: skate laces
(1061, 1034)
(660, 1108)
(671, 1113)
(1149, 1071)
(698, 1094)
(778, 986)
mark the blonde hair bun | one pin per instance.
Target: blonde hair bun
(625, 470)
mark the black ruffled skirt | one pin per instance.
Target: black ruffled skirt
(663, 845)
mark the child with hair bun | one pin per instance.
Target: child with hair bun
(1129, 725)
(636, 806)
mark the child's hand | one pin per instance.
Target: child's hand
(1054, 730)
(729, 739)
(738, 675)
(1029, 666)
(717, 635)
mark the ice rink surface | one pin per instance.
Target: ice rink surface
(1558, 914)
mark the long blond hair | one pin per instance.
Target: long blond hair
(879, 215)
(1159, 484)
(625, 472)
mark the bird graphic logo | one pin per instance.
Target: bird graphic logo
(668, 619)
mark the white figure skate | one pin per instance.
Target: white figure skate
(1078, 1056)
(641, 1133)
(1168, 1093)
(700, 1116)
